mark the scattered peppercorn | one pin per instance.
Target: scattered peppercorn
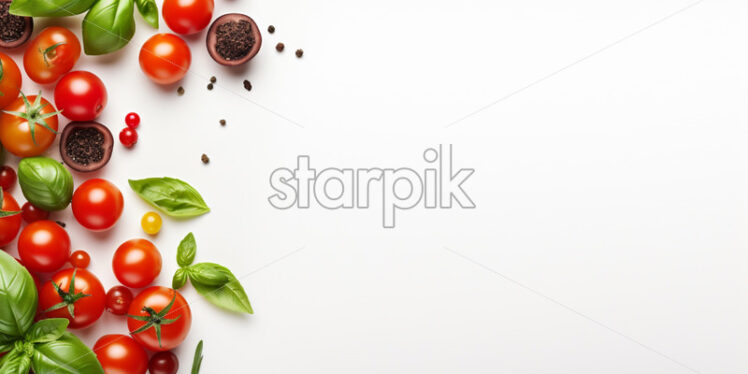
(205, 158)
(180, 91)
(247, 85)
(62, 224)
(279, 47)
(222, 122)
(210, 86)
(271, 29)
(212, 79)
(299, 52)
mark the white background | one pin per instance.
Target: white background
(610, 229)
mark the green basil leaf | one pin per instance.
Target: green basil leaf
(45, 183)
(6, 342)
(15, 362)
(186, 251)
(198, 360)
(66, 355)
(18, 295)
(149, 10)
(219, 286)
(49, 8)
(180, 278)
(108, 26)
(47, 330)
(172, 196)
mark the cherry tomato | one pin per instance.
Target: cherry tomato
(120, 354)
(136, 263)
(85, 298)
(118, 300)
(132, 120)
(9, 225)
(163, 363)
(97, 204)
(32, 213)
(165, 58)
(44, 246)
(151, 223)
(80, 95)
(175, 324)
(128, 137)
(7, 178)
(10, 82)
(80, 259)
(15, 129)
(51, 54)
(187, 16)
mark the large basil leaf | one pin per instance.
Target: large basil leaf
(47, 330)
(67, 355)
(108, 26)
(49, 8)
(172, 196)
(15, 362)
(6, 342)
(45, 183)
(18, 297)
(149, 10)
(220, 287)
(186, 250)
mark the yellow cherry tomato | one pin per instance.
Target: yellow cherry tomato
(151, 223)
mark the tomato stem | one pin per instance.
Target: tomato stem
(68, 298)
(155, 319)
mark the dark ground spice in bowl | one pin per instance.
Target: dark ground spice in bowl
(14, 30)
(234, 39)
(85, 145)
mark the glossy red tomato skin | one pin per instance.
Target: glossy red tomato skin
(44, 246)
(187, 16)
(87, 310)
(97, 204)
(173, 334)
(120, 354)
(10, 225)
(7, 178)
(118, 300)
(132, 120)
(165, 58)
(80, 259)
(163, 363)
(32, 213)
(11, 81)
(80, 95)
(136, 263)
(128, 137)
(59, 61)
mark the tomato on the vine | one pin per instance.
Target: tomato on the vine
(51, 54)
(120, 354)
(187, 16)
(97, 204)
(10, 80)
(28, 126)
(118, 300)
(32, 213)
(136, 263)
(159, 318)
(80, 96)
(44, 246)
(80, 259)
(75, 294)
(165, 58)
(9, 223)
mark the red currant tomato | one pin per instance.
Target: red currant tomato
(187, 16)
(44, 246)
(128, 137)
(9, 225)
(118, 300)
(163, 363)
(87, 297)
(97, 204)
(136, 263)
(120, 354)
(157, 299)
(132, 120)
(7, 178)
(31, 213)
(80, 95)
(80, 259)
(165, 58)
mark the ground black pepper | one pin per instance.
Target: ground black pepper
(205, 158)
(180, 91)
(271, 29)
(212, 79)
(299, 52)
(85, 145)
(247, 85)
(62, 224)
(11, 27)
(234, 39)
(222, 122)
(210, 86)
(279, 47)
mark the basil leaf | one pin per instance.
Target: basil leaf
(172, 196)
(15, 362)
(67, 355)
(198, 360)
(18, 295)
(186, 251)
(108, 26)
(149, 10)
(180, 278)
(49, 8)
(47, 330)
(219, 286)
(6, 342)
(45, 183)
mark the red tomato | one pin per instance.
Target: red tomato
(80, 259)
(15, 129)
(132, 120)
(9, 225)
(44, 246)
(175, 324)
(128, 137)
(187, 16)
(51, 54)
(97, 204)
(165, 58)
(136, 263)
(7, 178)
(118, 300)
(80, 95)
(32, 213)
(120, 354)
(86, 297)
(10, 83)
(163, 363)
